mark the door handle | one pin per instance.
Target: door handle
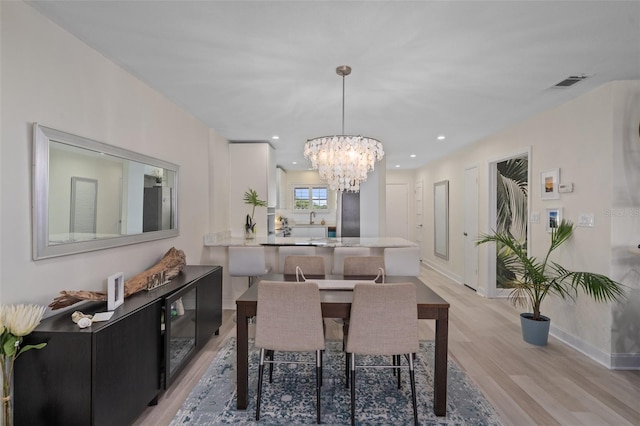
(464, 233)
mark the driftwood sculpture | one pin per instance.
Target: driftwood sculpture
(171, 263)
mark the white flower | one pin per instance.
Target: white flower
(21, 320)
(1, 320)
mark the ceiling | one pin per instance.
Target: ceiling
(462, 69)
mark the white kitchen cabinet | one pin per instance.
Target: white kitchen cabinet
(281, 186)
(251, 165)
(315, 231)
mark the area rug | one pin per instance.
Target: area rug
(290, 399)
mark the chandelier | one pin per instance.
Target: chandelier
(343, 161)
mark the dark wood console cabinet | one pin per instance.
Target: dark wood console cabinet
(108, 373)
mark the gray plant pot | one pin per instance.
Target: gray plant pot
(535, 332)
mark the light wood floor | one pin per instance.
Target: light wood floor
(528, 385)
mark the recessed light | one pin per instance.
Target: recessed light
(397, 165)
(412, 156)
(294, 162)
(275, 137)
(441, 137)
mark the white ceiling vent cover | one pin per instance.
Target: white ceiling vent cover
(571, 80)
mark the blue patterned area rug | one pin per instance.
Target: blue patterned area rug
(290, 399)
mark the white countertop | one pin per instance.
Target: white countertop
(316, 242)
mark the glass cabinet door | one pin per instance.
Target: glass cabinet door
(180, 327)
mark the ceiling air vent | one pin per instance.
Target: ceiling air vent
(571, 80)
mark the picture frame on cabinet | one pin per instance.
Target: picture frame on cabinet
(553, 219)
(115, 291)
(549, 181)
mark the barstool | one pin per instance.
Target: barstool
(247, 262)
(402, 261)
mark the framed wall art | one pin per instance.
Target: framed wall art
(549, 182)
(115, 291)
(553, 218)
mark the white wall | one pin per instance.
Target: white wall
(49, 76)
(577, 137)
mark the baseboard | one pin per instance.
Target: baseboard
(619, 361)
(448, 274)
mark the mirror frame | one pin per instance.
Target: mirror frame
(441, 219)
(42, 136)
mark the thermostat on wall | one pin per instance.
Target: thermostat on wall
(565, 187)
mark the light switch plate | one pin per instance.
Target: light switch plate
(535, 217)
(586, 219)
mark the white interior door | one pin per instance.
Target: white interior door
(397, 207)
(470, 232)
(417, 235)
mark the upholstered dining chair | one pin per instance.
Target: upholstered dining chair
(310, 265)
(340, 253)
(364, 267)
(360, 267)
(384, 321)
(286, 251)
(289, 319)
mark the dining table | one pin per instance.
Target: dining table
(337, 304)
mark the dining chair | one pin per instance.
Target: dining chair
(383, 321)
(360, 267)
(310, 265)
(286, 251)
(364, 267)
(340, 253)
(289, 319)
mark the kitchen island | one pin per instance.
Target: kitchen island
(216, 253)
(273, 241)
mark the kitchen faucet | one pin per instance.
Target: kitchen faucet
(312, 216)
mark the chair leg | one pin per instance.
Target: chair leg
(347, 369)
(270, 356)
(412, 376)
(345, 336)
(321, 362)
(318, 383)
(398, 362)
(394, 364)
(353, 388)
(260, 371)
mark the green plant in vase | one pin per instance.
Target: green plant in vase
(251, 197)
(533, 279)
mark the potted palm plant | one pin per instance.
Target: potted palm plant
(251, 197)
(534, 279)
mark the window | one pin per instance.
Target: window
(310, 198)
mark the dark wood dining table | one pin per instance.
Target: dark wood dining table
(337, 304)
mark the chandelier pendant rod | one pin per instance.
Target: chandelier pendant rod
(343, 103)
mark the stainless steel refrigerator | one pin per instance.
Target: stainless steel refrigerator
(350, 214)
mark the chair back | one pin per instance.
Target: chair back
(383, 320)
(363, 266)
(340, 253)
(286, 251)
(310, 265)
(289, 316)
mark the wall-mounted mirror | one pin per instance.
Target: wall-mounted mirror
(88, 195)
(441, 218)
